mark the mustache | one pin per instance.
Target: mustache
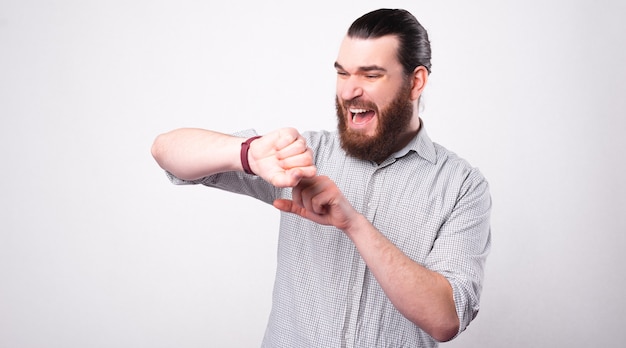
(357, 103)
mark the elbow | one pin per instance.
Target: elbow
(157, 148)
(165, 151)
(441, 329)
(446, 331)
(162, 154)
(446, 334)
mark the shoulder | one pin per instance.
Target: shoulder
(448, 158)
(455, 172)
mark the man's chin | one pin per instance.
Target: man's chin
(359, 136)
(358, 144)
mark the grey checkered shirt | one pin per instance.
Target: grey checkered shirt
(429, 202)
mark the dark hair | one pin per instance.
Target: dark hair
(414, 47)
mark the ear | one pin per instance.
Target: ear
(418, 81)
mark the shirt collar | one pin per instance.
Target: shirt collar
(420, 144)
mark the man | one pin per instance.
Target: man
(384, 234)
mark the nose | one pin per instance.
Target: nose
(349, 88)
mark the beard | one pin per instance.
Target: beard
(393, 122)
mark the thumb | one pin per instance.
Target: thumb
(285, 205)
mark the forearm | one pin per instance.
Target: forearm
(280, 157)
(421, 295)
(191, 153)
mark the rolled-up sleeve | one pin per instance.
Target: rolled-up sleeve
(461, 248)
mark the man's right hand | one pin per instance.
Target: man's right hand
(282, 158)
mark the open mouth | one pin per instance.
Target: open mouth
(361, 116)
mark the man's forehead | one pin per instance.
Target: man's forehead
(356, 53)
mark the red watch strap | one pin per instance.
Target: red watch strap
(245, 146)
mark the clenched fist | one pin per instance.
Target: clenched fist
(282, 158)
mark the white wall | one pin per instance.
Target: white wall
(97, 249)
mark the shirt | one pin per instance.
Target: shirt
(429, 202)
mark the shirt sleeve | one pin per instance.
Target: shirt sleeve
(461, 248)
(236, 182)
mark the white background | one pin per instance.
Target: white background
(97, 249)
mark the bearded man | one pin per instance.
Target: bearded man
(384, 234)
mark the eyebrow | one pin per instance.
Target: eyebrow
(367, 68)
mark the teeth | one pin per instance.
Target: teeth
(357, 111)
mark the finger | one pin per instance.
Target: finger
(296, 194)
(286, 137)
(285, 205)
(288, 206)
(283, 181)
(289, 178)
(323, 198)
(292, 177)
(300, 173)
(296, 147)
(301, 160)
(312, 196)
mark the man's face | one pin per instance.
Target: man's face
(374, 101)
